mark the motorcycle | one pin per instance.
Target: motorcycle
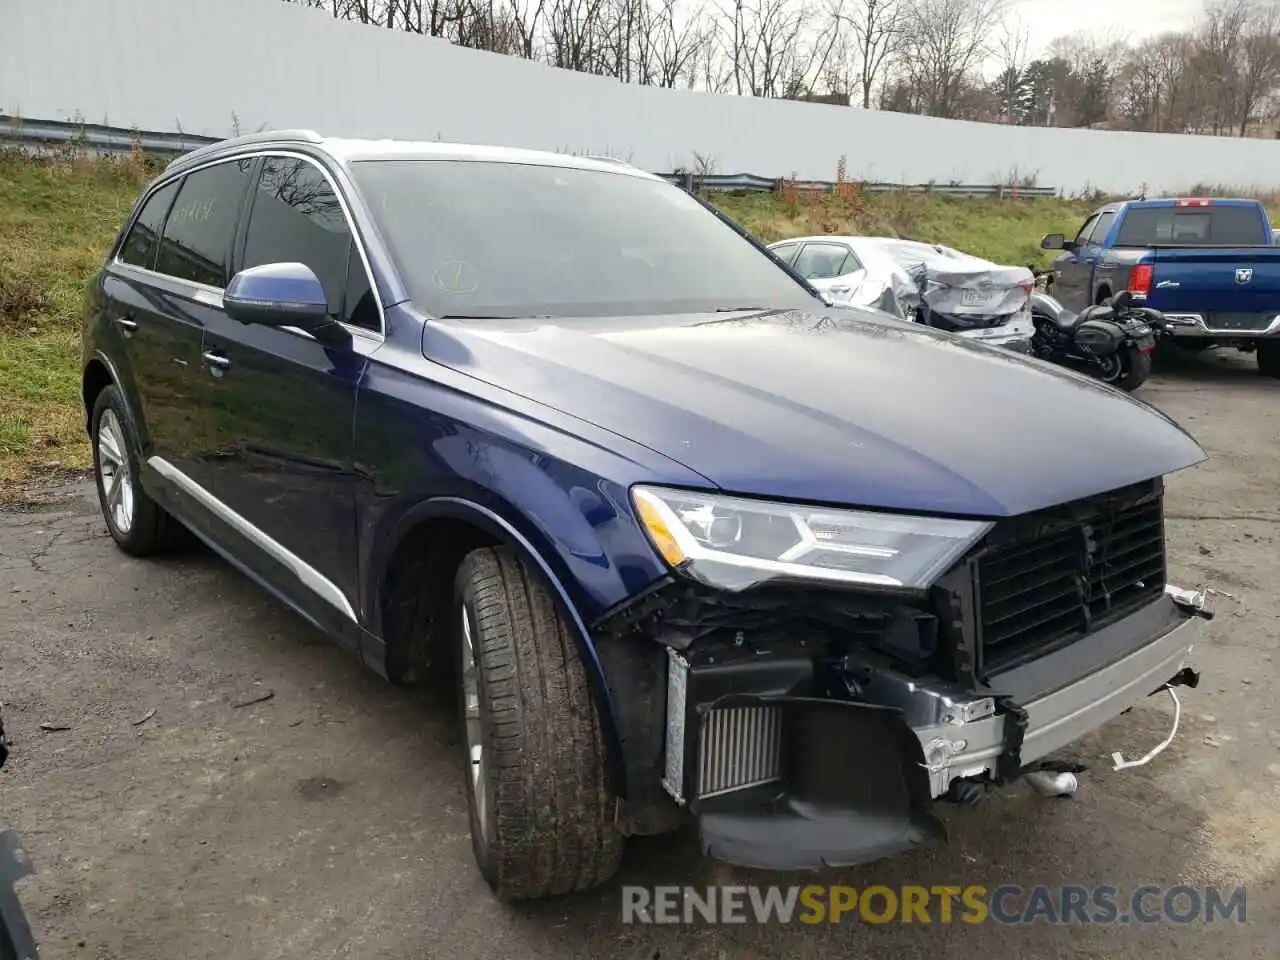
(1112, 341)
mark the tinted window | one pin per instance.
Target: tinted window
(1101, 228)
(296, 218)
(139, 247)
(200, 227)
(821, 261)
(1205, 226)
(484, 239)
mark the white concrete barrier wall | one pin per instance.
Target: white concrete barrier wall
(203, 65)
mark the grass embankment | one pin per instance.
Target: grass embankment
(57, 218)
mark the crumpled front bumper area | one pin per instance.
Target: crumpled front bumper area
(783, 772)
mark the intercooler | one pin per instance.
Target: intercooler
(738, 747)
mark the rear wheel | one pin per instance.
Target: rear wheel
(1269, 359)
(1126, 370)
(137, 524)
(542, 813)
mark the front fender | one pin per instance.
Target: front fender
(505, 525)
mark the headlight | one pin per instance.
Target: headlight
(735, 543)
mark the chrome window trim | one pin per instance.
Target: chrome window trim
(307, 575)
(343, 202)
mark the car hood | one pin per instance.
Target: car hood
(845, 406)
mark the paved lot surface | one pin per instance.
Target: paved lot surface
(328, 821)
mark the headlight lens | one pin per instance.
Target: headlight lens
(735, 543)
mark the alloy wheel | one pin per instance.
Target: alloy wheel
(471, 718)
(113, 472)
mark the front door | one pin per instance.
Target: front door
(279, 446)
(1073, 270)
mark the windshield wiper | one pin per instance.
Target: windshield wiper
(741, 309)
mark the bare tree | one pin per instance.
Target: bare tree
(878, 28)
(766, 47)
(1258, 70)
(1013, 42)
(678, 40)
(944, 44)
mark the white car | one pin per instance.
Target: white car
(928, 283)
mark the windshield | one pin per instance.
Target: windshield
(1212, 226)
(483, 239)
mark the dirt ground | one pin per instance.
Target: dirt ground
(329, 821)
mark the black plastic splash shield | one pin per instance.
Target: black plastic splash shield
(854, 789)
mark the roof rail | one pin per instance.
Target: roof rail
(265, 136)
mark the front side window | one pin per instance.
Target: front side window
(486, 239)
(202, 223)
(139, 247)
(297, 218)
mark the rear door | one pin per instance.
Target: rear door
(282, 404)
(164, 286)
(1073, 272)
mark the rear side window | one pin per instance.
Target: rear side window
(785, 252)
(1226, 226)
(296, 218)
(139, 247)
(1083, 235)
(1102, 227)
(202, 223)
(822, 261)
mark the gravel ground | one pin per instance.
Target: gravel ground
(329, 820)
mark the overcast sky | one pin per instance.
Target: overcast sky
(1112, 19)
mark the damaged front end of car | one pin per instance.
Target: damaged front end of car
(808, 702)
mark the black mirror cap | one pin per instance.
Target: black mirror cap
(277, 295)
(1053, 241)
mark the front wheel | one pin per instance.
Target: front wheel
(542, 813)
(1269, 359)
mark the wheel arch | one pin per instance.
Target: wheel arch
(437, 533)
(98, 374)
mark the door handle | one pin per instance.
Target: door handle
(127, 325)
(216, 360)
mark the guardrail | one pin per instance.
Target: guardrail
(96, 138)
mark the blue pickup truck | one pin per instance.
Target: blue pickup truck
(1210, 265)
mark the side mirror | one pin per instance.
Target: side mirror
(1053, 241)
(283, 295)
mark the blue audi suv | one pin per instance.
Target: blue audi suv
(690, 545)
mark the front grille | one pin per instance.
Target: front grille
(739, 747)
(1065, 579)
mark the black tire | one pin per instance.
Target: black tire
(1269, 359)
(151, 530)
(1134, 368)
(550, 826)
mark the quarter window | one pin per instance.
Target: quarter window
(139, 247)
(297, 218)
(202, 223)
(785, 252)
